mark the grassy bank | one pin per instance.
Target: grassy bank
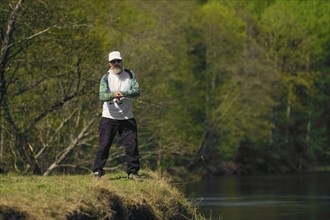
(83, 197)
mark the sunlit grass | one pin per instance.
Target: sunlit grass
(66, 196)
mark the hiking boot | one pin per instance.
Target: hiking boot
(135, 177)
(98, 173)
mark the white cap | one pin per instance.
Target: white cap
(114, 55)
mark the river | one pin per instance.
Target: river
(304, 196)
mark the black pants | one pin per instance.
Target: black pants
(127, 129)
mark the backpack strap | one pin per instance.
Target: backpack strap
(129, 73)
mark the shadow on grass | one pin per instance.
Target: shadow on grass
(8, 213)
(114, 210)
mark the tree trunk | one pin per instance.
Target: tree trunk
(6, 45)
(22, 142)
(1, 135)
(206, 148)
(308, 130)
(288, 115)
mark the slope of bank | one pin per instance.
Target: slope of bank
(83, 197)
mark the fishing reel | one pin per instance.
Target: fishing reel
(118, 101)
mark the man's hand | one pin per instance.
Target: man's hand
(118, 94)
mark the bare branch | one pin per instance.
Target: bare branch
(27, 88)
(114, 168)
(74, 166)
(74, 143)
(56, 105)
(15, 157)
(46, 30)
(6, 45)
(39, 33)
(56, 132)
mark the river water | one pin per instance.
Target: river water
(303, 196)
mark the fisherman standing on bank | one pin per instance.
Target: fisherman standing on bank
(117, 87)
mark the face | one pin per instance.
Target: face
(116, 66)
(115, 63)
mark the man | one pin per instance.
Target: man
(117, 87)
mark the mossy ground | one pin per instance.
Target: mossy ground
(84, 197)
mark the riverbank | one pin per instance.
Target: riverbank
(84, 197)
(210, 170)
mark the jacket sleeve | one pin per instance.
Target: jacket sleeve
(105, 95)
(135, 88)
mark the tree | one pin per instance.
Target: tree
(43, 84)
(238, 83)
(295, 34)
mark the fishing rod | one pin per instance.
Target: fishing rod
(168, 109)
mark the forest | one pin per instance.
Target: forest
(227, 86)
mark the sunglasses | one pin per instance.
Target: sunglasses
(115, 61)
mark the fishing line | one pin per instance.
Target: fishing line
(178, 115)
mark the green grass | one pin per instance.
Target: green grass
(84, 197)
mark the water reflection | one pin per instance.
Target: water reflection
(280, 197)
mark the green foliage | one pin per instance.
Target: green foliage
(295, 34)
(220, 80)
